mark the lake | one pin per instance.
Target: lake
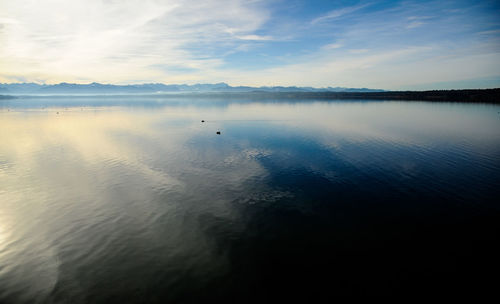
(135, 199)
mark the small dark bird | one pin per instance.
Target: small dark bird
(202, 121)
(218, 132)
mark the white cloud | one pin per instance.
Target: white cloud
(255, 37)
(338, 13)
(359, 51)
(492, 32)
(419, 17)
(414, 24)
(178, 41)
(119, 41)
(332, 46)
(395, 69)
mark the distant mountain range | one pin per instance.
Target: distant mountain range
(152, 88)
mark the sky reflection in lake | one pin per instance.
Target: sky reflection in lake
(137, 199)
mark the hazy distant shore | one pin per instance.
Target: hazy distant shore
(6, 97)
(476, 96)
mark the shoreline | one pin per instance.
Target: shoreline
(466, 95)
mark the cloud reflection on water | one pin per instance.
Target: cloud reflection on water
(92, 186)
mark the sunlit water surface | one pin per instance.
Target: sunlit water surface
(136, 200)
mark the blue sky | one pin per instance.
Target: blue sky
(376, 44)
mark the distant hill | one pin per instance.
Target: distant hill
(476, 95)
(223, 90)
(152, 88)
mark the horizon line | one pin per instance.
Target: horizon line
(248, 86)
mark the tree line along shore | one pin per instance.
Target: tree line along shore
(473, 95)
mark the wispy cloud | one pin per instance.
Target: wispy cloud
(59, 40)
(383, 44)
(255, 37)
(332, 46)
(414, 24)
(492, 32)
(338, 13)
(359, 51)
(416, 21)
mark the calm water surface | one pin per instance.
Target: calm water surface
(136, 200)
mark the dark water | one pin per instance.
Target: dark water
(127, 200)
